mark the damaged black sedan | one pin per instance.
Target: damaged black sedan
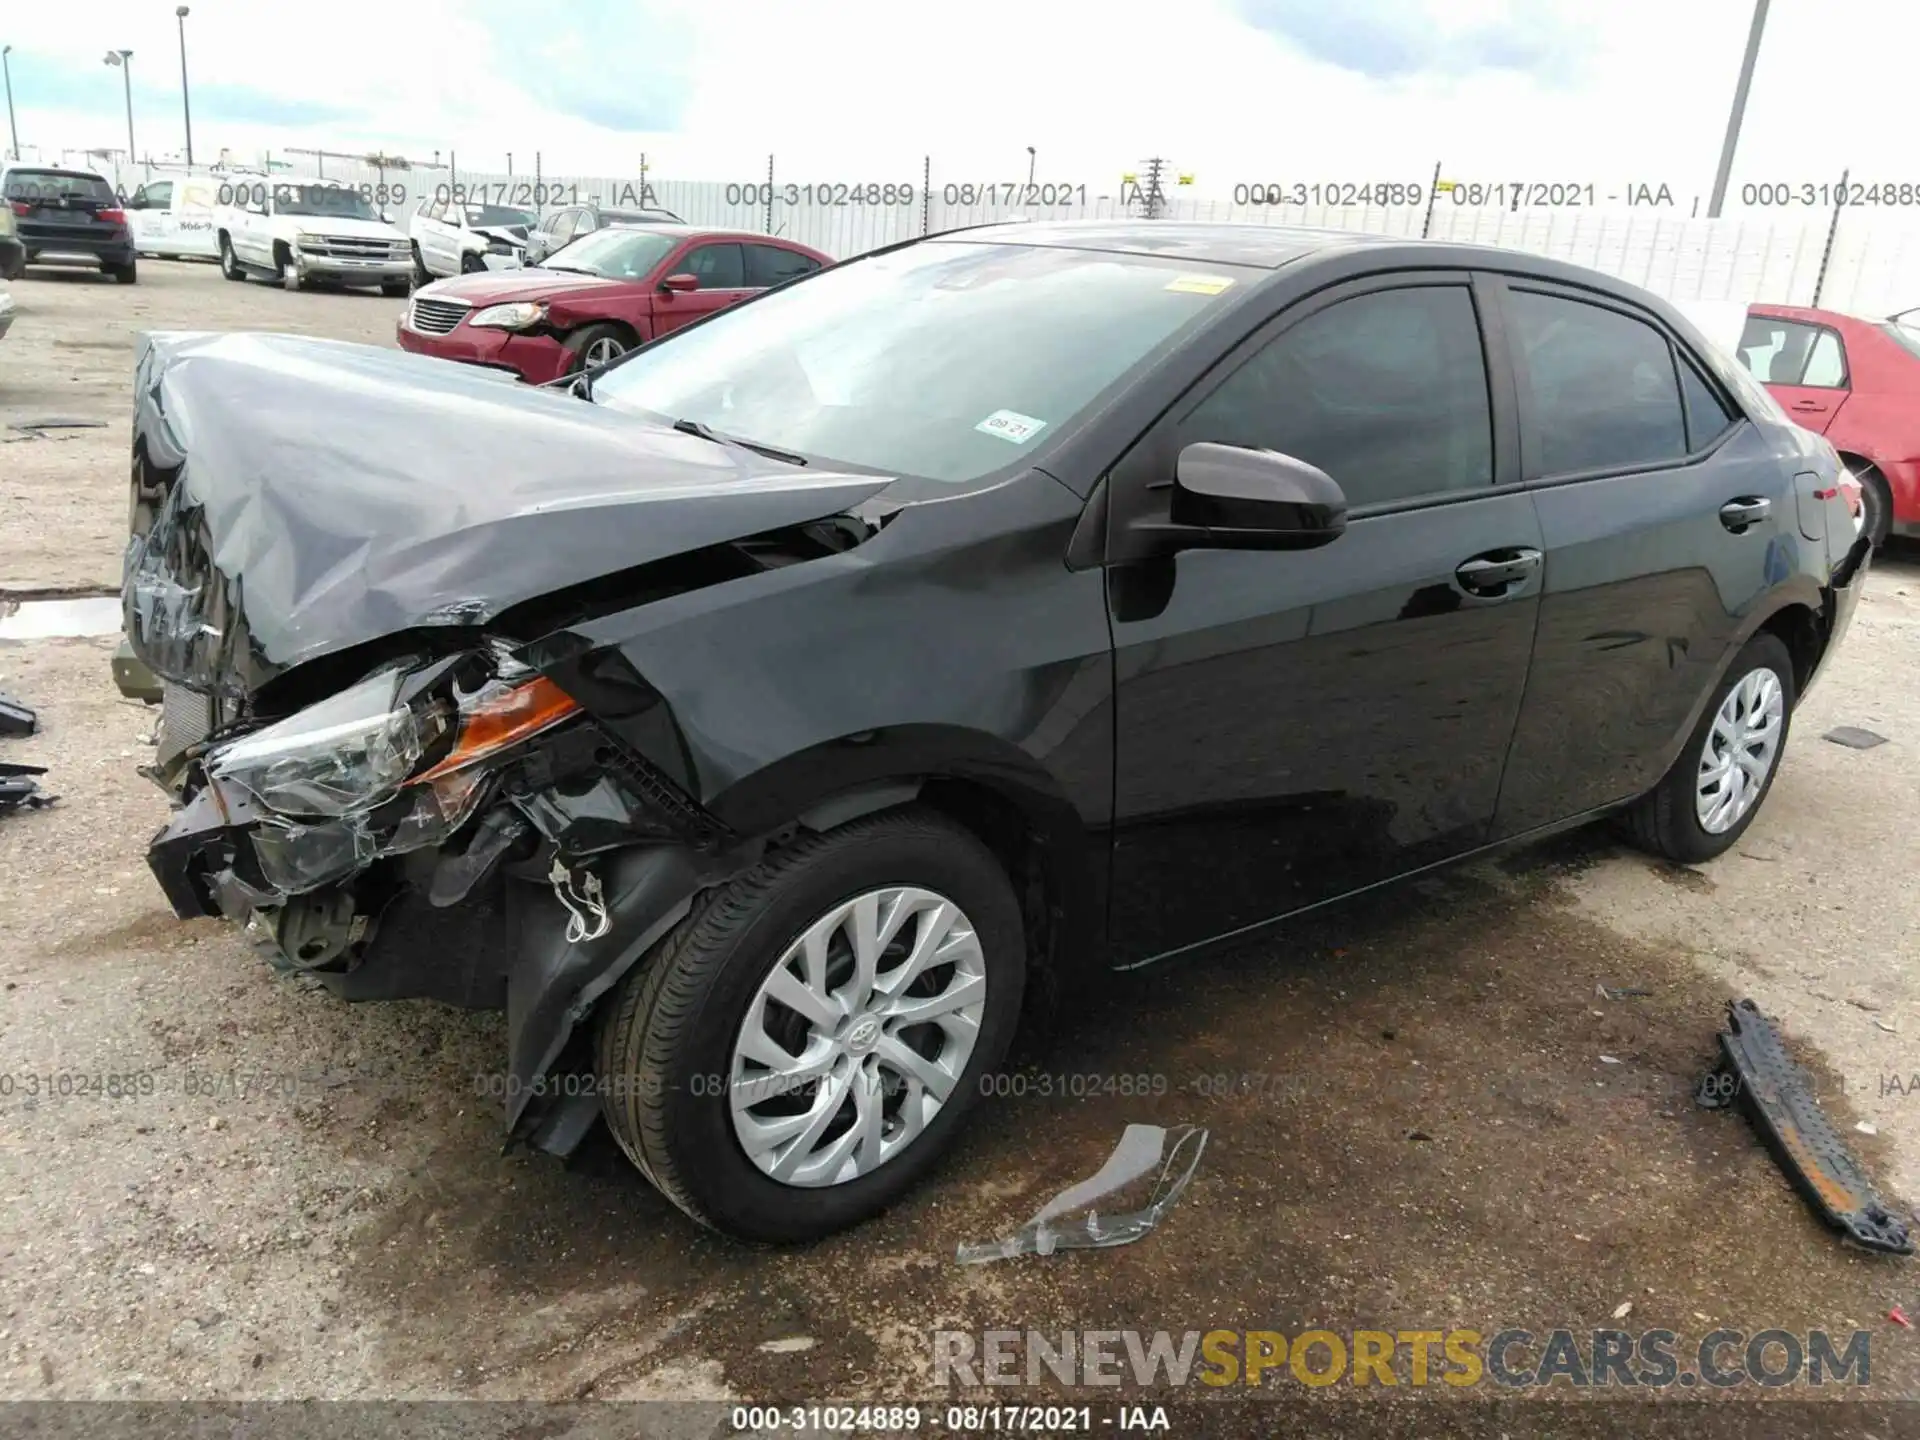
(773, 720)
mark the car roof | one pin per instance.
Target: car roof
(1265, 247)
(17, 167)
(702, 232)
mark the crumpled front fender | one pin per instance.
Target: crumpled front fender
(554, 983)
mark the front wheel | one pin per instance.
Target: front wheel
(796, 1052)
(229, 262)
(1705, 803)
(593, 346)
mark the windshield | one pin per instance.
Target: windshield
(499, 215)
(51, 184)
(336, 201)
(942, 360)
(1904, 336)
(617, 254)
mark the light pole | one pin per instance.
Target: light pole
(1030, 163)
(1727, 147)
(186, 106)
(7, 70)
(124, 59)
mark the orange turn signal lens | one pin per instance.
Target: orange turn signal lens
(502, 720)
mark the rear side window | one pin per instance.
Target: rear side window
(770, 265)
(1775, 351)
(1597, 387)
(1826, 363)
(1707, 417)
(1386, 392)
(720, 267)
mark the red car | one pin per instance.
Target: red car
(1857, 382)
(596, 298)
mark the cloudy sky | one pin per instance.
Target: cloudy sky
(1619, 93)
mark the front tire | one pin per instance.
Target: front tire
(1704, 804)
(229, 262)
(796, 1053)
(594, 345)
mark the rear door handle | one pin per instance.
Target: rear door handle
(1739, 515)
(1497, 572)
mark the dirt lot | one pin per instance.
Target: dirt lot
(1439, 1142)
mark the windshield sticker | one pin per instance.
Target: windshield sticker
(1199, 284)
(1011, 425)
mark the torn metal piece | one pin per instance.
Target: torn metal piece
(1072, 1221)
(1757, 1073)
(1854, 738)
(586, 908)
(19, 791)
(15, 718)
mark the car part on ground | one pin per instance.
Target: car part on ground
(944, 585)
(1758, 1075)
(20, 791)
(1854, 738)
(1105, 1209)
(15, 718)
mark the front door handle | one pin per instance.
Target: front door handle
(1739, 515)
(1809, 404)
(1497, 572)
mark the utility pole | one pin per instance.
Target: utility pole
(186, 106)
(6, 70)
(1728, 146)
(124, 59)
(1031, 159)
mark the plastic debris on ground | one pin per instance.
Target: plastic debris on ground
(15, 718)
(18, 790)
(1129, 1195)
(1621, 992)
(1854, 738)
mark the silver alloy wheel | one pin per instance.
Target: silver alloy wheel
(858, 1036)
(601, 351)
(1741, 750)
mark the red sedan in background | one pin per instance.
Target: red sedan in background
(1857, 382)
(596, 298)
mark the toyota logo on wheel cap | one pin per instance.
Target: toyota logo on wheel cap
(863, 1036)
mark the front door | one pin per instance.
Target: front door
(1295, 726)
(721, 269)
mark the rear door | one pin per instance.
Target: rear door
(1293, 726)
(1804, 366)
(61, 209)
(1666, 521)
(721, 268)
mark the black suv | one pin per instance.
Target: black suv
(69, 214)
(768, 719)
(573, 221)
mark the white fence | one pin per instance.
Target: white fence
(1753, 255)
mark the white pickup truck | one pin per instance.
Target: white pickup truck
(297, 231)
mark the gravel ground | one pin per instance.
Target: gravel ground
(307, 1199)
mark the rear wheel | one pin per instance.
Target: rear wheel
(127, 274)
(595, 345)
(1705, 803)
(1876, 503)
(796, 1052)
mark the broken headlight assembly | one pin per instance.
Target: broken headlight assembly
(375, 771)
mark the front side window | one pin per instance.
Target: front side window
(1598, 386)
(1386, 392)
(944, 360)
(157, 196)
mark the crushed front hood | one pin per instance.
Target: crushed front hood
(333, 494)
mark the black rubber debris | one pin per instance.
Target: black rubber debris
(19, 790)
(30, 427)
(1854, 738)
(15, 718)
(1758, 1075)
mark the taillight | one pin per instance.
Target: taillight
(113, 217)
(20, 207)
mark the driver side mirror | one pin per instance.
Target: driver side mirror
(681, 282)
(1226, 497)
